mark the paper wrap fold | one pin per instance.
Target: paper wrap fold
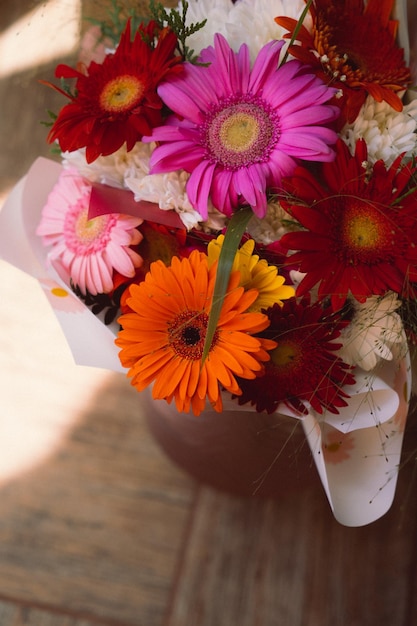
(357, 452)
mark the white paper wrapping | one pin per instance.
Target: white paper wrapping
(90, 341)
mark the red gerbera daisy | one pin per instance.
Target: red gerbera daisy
(361, 227)
(353, 45)
(304, 367)
(116, 101)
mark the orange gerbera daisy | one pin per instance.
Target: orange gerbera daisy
(162, 338)
(353, 45)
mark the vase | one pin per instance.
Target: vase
(238, 451)
(278, 455)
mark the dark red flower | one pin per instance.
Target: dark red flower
(116, 102)
(304, 367)
(361, 227)
(353, 47)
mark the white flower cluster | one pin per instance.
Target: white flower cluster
(374, 329)
(114, 169)
(387, 133)
(271, 227)
(248, 21)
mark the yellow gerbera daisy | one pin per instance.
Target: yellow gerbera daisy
(255, 274)
(162, 337)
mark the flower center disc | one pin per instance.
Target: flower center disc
(362, 232)
(121, 94)
(88, 230)
(366, 233)
(285, 355)
(187, 334)
(240, 134)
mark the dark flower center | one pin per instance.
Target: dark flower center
(363, 52)
(187, 333)
(191, 335)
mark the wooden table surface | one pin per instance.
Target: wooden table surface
(97, 526)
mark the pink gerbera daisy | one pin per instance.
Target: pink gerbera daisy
(239, 130)
(87, 250)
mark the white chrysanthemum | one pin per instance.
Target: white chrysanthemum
(130, 170)
(272, 227)
(217, 13)
(374, 329)
(247, 21)
(113, 169)
(253, 22)
(387, 133)
(168, 192)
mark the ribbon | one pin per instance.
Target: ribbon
(105, 199)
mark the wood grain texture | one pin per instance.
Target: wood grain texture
(290, 563)
(18, 615)
(94, 524)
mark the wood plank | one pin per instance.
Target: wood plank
(17, 615)
(289, 562)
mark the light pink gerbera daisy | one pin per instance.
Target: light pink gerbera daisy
(238, 130)
(87, 250)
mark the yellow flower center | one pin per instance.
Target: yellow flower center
(366, 233)
(121, 94)
(362, 232)
(87, 230)
(84, 236)
(239, 132)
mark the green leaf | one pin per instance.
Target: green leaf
(232, 239)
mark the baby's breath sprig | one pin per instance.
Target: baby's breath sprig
(177, 22)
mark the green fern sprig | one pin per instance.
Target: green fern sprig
(177, 22)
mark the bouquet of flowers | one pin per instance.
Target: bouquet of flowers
(235, 218)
